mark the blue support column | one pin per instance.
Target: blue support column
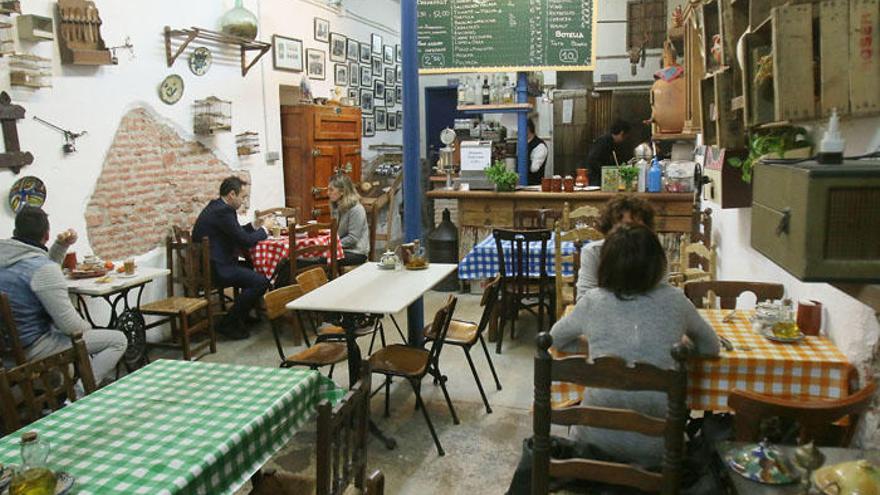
(522, 118)
(412, 174)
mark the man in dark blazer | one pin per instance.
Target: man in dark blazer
(219, 223)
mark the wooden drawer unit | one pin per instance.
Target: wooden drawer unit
(338, 123)
(485, 213)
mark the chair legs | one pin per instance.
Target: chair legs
(470, 361)
(415, 386)
(387, 395)
(489, 359)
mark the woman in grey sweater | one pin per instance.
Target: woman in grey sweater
(633, 315)
(354, 234)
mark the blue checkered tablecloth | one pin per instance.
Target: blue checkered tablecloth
(482, 261)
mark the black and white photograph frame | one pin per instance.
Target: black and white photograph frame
(316, 64)
(352, 50)
(367, 102)
(322, 30)
(400, 119)
(381, 121)
(354, 74)
(287, 53)
(389, 76)
(377, 66)
(398, 54)
(388, 54)
(369, 127)
(398, 95)
(389, 96)
(376, 44)
(354, 96)
(337, 47)
(340, 74)
(391, 121)
(398, 74)
(379, 89)
(365, 53)
(366, 76)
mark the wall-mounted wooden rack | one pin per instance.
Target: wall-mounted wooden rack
(194, 33)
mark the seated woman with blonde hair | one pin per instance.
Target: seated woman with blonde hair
(351, 218)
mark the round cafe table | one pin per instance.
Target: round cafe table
(268, 253)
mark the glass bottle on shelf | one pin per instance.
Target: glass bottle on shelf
(507, 91)
(494, 94)
(471, 97)
(462, 92)
(33, 477)
(486, 92)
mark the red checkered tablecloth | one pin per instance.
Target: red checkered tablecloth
(813, 367)
(266, 254)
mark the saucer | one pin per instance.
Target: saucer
(127, 275)
(384, 267)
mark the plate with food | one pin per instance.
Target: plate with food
(417, 265)
(784, 332)
(87, 273)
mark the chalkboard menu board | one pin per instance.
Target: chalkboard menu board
(482, 35)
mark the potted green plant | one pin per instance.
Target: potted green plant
(629, 175)
(505, 180)
(780, 142)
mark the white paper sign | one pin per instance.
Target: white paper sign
(567, 111)
(476, 156)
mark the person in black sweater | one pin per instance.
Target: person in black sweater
(602, 151)
(218, 221)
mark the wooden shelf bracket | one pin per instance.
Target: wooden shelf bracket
(193, 33)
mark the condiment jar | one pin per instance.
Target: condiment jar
(33, 477)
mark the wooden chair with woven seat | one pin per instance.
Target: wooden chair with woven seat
(519, 286)
(830, 423)
(314, 356)
(566, 285)
(289, 214)
(182, 235)
(696, 262)
(615, 374)
(188, 315)
(413, 364)
(29, 389)
(313, 252)
(540, 218)
(387, 199)
(368, 324)
(584, 216)
(466, 334)
(701, 293)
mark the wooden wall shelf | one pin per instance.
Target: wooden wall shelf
(79, 34)
(35, 28)
(193, 33)
(10, 7)
(497, 108)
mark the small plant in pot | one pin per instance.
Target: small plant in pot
(782, 142)
(629, 176)
(504, 179)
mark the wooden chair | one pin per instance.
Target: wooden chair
(341, 450)
(413, 364)
(517, 283)
(193, 272)
(183, 235)
(314, 356)
(289, 214)
(373, 214)
(728, 291)
(466, 334)
(541, 218)
(587, 216)
(10, 343)
(696, 262)
(609, 373)
(566, 285)
(829, 423)
(320, 251)
(28, 389)
(369, 324)
(701, 230)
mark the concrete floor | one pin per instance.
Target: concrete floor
(481, 452)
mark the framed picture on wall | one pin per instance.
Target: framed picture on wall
(389, 96)
(340, 75)
(354, 96)
(398, 54)
(389, 76)
(381, 122)
(398, 73)
(366, 101)
(354, 74)
(391, 121)
(388, 55)
(379, 89)
(365, 52)
(377, 66)
(337, 47)
(316, 60)
(398, 95)
(399, 119)
(287, 53)
(322, 30)
(366, 76)
(353, 50)
(369, 127)
(376, 43)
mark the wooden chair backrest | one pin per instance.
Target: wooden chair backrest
(609, 373)
(181, 234)
(489, 302)
(311, 279)
(342, 439)
(387, 200)
(321, 251)
(10, 341)
(816, 418)
(577, 235)
(290, 214)
(729, 290)
(280, 317)
(190, 266)
(584, 215)
(38, 387)
(514, 267)
(276, 300)
(542, 218)
(440, 327)
(702, 227)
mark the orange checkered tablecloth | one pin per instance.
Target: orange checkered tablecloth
(813, 367)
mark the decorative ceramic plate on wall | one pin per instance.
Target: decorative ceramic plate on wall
(171, 89)
(27, 191)
(200, 61)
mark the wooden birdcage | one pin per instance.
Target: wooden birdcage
(30, 71)
(212, 115)
(247, 143)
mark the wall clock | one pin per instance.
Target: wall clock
(171, 89)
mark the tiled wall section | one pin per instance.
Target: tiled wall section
(152, 178)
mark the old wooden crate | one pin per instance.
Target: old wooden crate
(864, 56)
(793, 80)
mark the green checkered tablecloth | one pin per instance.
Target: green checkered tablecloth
(178, 427)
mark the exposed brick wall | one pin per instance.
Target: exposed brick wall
(152, 179)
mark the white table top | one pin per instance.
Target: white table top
(118, 282)
(367, 289)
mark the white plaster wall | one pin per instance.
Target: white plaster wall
(612, 54)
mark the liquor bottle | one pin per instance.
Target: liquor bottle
(507, 91)
(486, 91)
(472, 91)
(462, 92)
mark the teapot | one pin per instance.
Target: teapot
(389, 259)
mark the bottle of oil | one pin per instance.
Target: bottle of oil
(34, 477)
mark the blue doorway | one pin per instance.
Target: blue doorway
(440, 113)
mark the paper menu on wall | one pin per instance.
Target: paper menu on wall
(567, 111)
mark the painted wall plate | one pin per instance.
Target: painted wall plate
(200, 61)
(28, 190)
(171, 89)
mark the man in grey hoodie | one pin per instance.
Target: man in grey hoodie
(30, 275)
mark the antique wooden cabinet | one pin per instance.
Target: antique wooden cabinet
(317, 142)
